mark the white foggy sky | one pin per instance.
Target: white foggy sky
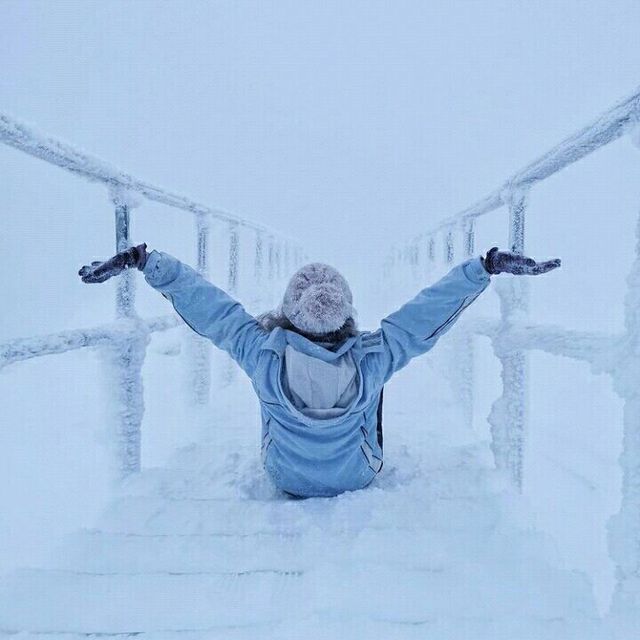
(349, 124)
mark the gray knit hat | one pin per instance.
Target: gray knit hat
(318, 299)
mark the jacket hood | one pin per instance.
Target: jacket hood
(318, 388)
(279, 338)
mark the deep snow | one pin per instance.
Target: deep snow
(436, 547)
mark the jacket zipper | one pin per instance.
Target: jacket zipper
(169, 297)
(449, 320)
(465, 303)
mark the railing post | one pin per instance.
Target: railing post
(278, 256)
(449, 251)
(229, 371)
(469, 237)
(508, 417)
(199, 348)
(271, 270)
(465, 342)
(125, 286)
(124, 357)
(624, 527)
(458, 350)
(234, 255)
(258, 269)
(426, 264)
(414, 259)
(287, 259)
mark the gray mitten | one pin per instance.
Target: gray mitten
(508, 262)
(101, 271)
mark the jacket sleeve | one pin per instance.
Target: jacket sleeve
(418, 324)
(207, 309)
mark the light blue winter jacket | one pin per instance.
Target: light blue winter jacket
(308, 456)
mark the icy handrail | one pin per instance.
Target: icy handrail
(63, 341)
(606, 128)
(123, 344)
(25, 138)
(598, 349)
(512, 337)
(509, 414)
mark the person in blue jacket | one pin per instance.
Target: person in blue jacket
(318, 379)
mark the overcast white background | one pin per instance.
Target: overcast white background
(349, 124)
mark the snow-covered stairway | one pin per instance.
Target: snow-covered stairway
(205, 548)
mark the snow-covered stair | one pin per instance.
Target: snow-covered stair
(205, 548)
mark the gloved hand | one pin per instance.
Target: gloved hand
(101, 271)
(507, 262)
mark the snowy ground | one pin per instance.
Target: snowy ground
(436, 548)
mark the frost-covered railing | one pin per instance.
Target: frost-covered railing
(512, 336)
(125, 340)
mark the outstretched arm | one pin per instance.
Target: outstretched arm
(204, 307)
(416, 326)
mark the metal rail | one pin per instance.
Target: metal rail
(605, 129)
(512, 337)
(21, 136)
(123, 343)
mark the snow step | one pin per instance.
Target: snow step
(142, 515)
(102, 552)
(326, 626)
(111, 604)
(91, 603)
(94, 551)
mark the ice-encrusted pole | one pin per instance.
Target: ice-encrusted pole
(432, 249)
(271, 268)
(234, 256)
(258, 269)
(469, 237)
(199, 348)
(463, 343)
(414, 262)
(233, 266)
(449, 252)
(431, 256)
(125, 286)
(278, 257)
(624, 527)
(124, 355)
(467, 357)
(508, 417)
(287, 258)
(426, 259)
